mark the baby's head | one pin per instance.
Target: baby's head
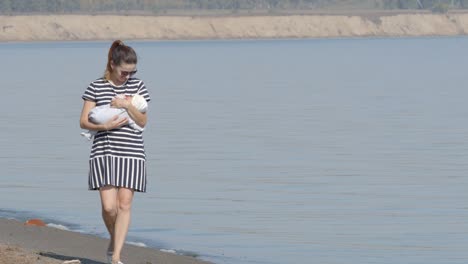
(140, 103)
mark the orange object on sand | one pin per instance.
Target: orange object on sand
(35, 222)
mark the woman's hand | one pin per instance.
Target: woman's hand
(115, 122)
(121, 102)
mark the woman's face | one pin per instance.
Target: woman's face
(123, 71)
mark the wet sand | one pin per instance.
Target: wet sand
(20, 243)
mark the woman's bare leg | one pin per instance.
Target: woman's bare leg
(124, 197)
(110, 205)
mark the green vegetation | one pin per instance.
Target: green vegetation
(232, 6)
(440, 8)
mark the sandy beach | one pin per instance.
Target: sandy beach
(26, 244)
(134, 27)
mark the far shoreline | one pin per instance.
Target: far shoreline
(363, 24)
(230, 40)
(105, 41)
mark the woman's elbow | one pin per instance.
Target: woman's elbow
(141, 124)
(82, 124)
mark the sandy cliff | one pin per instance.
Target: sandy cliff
(87, 27)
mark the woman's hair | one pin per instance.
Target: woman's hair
(119, 53)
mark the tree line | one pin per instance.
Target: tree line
(158, 6)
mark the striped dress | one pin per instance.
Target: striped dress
(118, 155)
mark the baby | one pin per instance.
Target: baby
(104, 113)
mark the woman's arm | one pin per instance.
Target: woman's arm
(115, 122)
(139, 118)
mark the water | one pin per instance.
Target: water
(307, 151)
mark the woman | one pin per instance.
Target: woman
(117, 164)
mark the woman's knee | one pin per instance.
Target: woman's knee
(109, 200)
(109, 208)
(125, 205)
(125, 199)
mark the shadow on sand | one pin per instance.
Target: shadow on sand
(64, 258)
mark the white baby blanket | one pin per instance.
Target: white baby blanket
(104, 113)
